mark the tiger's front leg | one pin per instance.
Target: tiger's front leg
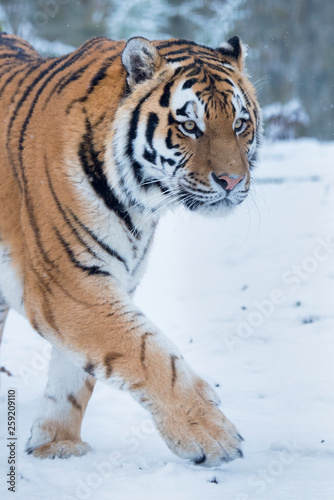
(116, 344)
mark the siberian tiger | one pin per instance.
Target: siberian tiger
(95, 145)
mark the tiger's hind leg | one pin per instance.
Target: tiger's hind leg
(57, 425)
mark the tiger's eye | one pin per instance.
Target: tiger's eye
(189, 125)
(238, 124)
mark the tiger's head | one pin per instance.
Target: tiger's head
(188, 128)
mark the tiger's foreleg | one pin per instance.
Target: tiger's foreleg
(116, 344)
(57, 425)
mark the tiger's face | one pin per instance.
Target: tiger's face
(189, 128)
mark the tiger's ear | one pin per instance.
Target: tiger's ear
(235, 50)
(140, 59)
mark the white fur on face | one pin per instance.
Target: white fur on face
(195, 110)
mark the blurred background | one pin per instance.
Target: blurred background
(290, 56)
(210, 283)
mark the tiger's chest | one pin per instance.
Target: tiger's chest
(132, 252)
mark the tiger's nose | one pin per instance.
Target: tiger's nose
(228, 182)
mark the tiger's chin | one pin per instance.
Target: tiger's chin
(222, 208)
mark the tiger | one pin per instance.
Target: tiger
(96, 145)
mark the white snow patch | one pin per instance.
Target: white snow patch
(249, 301)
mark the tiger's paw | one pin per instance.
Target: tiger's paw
(51, 439)
(60, 449)
(194, 428)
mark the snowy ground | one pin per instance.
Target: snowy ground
(249, 300)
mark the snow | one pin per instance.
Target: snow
(249, 300)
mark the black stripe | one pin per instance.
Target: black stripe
(171, 119)
(165, 97)
(89, 385)
(103, 245)
(215, 61)
(10, 78)
(41, 279)
(100, 75)
(173, 358)
(189, 83)
(137, 168)
(170, 161)
(19, 55)
(152, 123)
(48, 315)
(22, 46)
(64, 81)
(143, 255)
(185, 50)
(66, 219)
(168, 140)
(14, 115)
(133, 126)
(217, 67)
(31, 68)
(72, 77)
(183, 42)
(183, 163)
(250, 141)
(195, 70)
(7, 39)
(143, 349)
(179, 59)
(183, 111)
(149, 156)
(17, 44)
(192, 69)
(93, 168)
(90, 269)
(108, 359)
(6, 67)
(69, 60)
(71, 399)
(53, 277)
(90, 369)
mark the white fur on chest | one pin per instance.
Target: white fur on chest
(111, 231)
(11, 286)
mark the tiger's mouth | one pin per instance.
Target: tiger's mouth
(212, 203)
